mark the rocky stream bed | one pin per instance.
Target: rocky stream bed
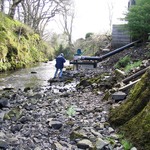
(56, 117)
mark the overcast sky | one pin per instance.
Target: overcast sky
(93, 16)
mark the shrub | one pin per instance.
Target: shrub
(138, 20)
(123, 62)
(133, 65)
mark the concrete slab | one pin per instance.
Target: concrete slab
(119, 96)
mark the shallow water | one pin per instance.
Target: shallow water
(24, 78)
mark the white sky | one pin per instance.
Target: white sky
(93, 16)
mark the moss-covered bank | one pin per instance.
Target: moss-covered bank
(133, 117)
(20, 45)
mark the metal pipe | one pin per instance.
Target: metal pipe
(110, 53)
(90, 58)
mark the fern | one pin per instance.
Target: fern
(71, 111)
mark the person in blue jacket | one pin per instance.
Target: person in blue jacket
(60, 60)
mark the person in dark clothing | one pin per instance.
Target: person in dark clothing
(60, 60)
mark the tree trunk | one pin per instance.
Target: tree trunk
(2, 5)
(13, 8)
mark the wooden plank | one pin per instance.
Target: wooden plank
(139, 73)
(128, 85)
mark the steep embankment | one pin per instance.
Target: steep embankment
(19, 45)
(133, 117)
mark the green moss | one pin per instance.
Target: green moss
(137, 100)
(126, 145)
(69, 67)
(111, 140)
(106, 96)
(137, 129)
(68, 81)
(133, 117)
(133, 65)
(77, 135)
(123, 62)
(14, 114)
(101, 82)
(19, 45)
(84, 83)
(3, 51)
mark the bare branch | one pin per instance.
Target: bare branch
(13, 7)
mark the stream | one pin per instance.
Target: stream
(36, 76)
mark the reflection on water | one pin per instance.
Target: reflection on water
(24, 78)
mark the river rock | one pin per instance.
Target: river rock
(33, 72)
(84, 144)
(38, 148)
(14, 114)
(133, 148)
(16, 128)
(111, 130)
(44, 123)
(55, 124)
(3, 145)
(100, 144)
(3, 102)
(57, 145)
(2, 134)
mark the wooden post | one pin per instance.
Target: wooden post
(77, 67)
(95, 64)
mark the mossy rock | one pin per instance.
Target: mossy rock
(138, 98)
(68, 68)
(19, 53)
(84, 83)
(89, 81)
(13, 114)
(77, 135)
(133, 117)
(68, 81)
(106, 96)
(137, 129)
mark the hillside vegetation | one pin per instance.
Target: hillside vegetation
(20, 45)
(133, 117)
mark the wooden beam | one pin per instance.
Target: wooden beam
(128, 85)
(139, 73)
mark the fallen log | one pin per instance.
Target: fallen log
(137, 74)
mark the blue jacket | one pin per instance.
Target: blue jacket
(60, 60)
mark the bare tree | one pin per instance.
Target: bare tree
(5, 6)
(110, 11)
(37, 13)
(67, 22)
(2, 5)
(13, 7)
